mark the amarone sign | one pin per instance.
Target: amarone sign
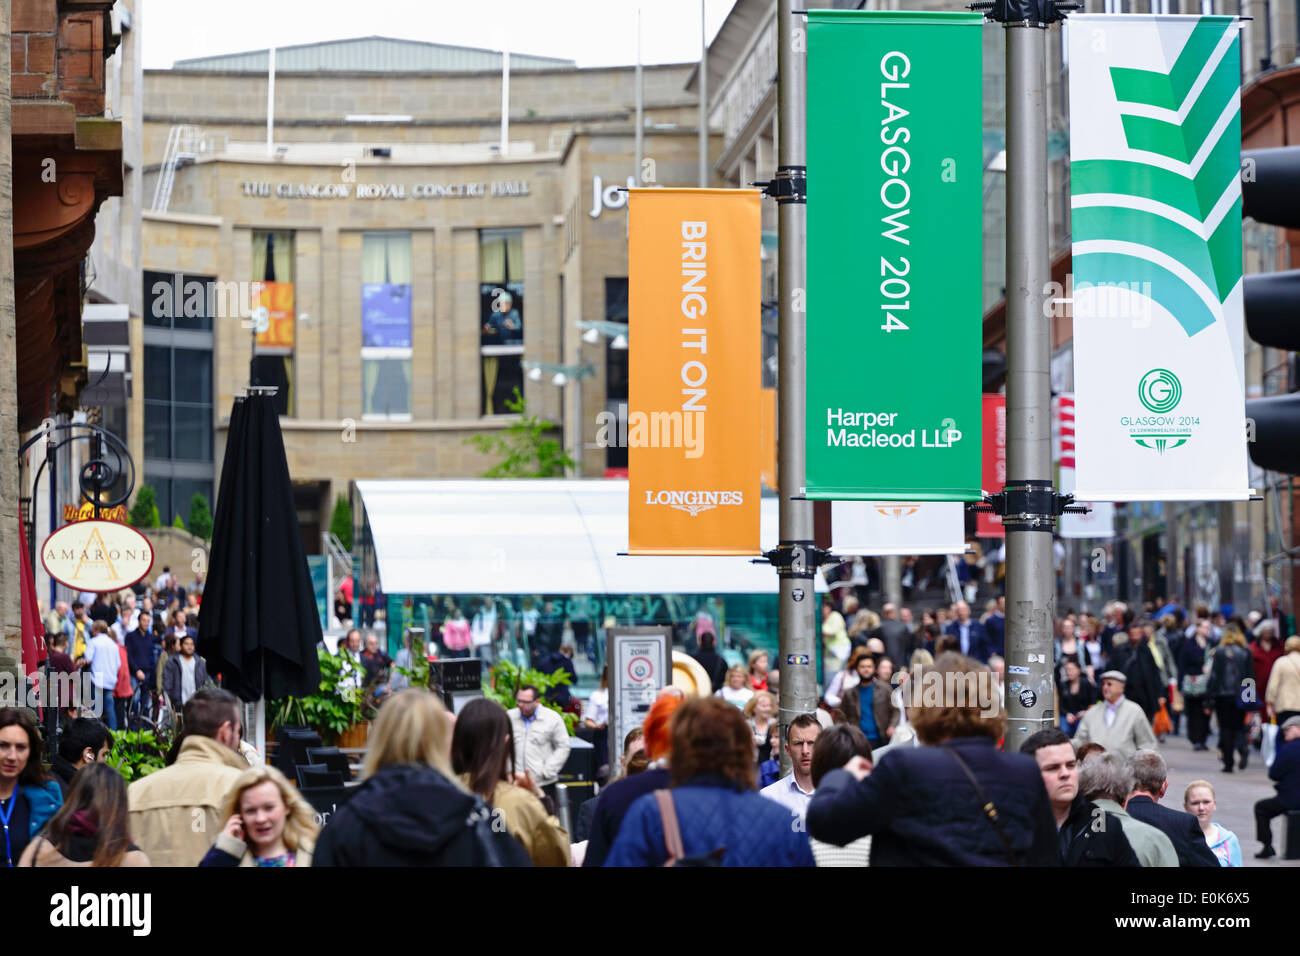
(97, 555)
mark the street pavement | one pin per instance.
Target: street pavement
(1235, 793)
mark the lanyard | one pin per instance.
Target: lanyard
(5, 817)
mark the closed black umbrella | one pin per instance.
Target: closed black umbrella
(258, 626)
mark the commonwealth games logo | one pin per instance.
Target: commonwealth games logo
(1159, 391)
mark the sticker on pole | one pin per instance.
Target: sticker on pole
(797, 659)
(1028, 698)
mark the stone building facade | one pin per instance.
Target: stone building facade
(429, 268)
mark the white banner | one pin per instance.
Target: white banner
(1100, 521)
(893, 527)
(1155, 144)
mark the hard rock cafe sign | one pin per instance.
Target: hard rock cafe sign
(97, 555)
(86, 511)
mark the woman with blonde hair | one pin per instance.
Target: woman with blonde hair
(1198, 800)
(736, 690)
(760, 714)
(411, 810)
(757, 670)
(268, 823)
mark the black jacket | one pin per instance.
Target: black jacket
(1087, 840)
(612, 806)
(923, 811)
(1231, 665)
(1143, 686)
(409, 815)
(1183, 830)
(714, 664)
(64, 771)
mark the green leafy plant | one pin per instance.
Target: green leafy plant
(144, 511)
(528, 452)
(179, 523)
(337, 707)
(341, 522)
(138, 753)
(200, 522)
(419, 671)
(505, 678)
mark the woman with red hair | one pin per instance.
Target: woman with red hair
(613, 803)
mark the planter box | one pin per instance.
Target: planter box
(355, 736)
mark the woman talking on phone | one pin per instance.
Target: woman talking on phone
(267, 823)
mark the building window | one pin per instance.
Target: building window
(177, 403)
(174, 300)
(273, 261)
(501, 316)
(386, 325)
(615, 365)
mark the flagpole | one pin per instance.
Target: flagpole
(796, 566)
(505, 101)
(640, 102)
(270, 102)
(704, 97)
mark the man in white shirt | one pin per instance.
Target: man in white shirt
(795, 789)
(105, 659)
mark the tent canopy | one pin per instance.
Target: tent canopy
(535, 536)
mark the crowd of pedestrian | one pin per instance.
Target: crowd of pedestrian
(135, 647)
(883, 772)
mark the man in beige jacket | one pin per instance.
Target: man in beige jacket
(1115, 722)
(175, 812)
(541, 739)
(1282, 696)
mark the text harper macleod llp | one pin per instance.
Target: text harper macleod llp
(847, 429)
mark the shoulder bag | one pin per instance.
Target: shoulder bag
(990, 811)
(673, 837)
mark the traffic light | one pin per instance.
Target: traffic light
(1271, 195)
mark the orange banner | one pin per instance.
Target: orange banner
(694, 419)
(277, 299)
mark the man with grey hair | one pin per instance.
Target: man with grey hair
(1107, 782)
(1150, 781)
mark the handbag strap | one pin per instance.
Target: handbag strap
(672, 833)
(990, 811)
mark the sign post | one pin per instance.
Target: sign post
(640, 665)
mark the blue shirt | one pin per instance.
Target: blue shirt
(866, 705)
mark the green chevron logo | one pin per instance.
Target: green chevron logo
(1168, 216)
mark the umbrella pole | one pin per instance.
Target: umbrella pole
(259, 715)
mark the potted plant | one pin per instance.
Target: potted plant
(337, 711)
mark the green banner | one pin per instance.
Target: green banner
(895, 250)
